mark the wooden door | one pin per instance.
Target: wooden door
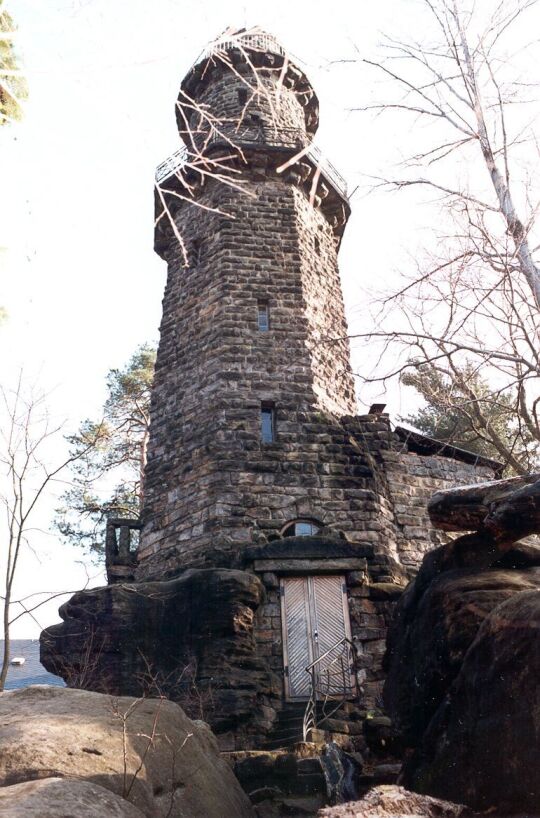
(315, 617)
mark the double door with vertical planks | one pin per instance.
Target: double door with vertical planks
(315, 618)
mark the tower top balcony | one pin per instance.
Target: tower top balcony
(244, 109)
(254, 39)
(254, 66)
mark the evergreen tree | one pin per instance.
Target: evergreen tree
(107, 478)
(462, 409)
(13, 88)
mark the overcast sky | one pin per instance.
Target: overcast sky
(79, 278)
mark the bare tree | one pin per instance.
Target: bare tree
(25, 475)
(469, 312)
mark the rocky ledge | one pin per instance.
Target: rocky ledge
(463, 662)
(190, 639)
(72, 752)
(397, 802)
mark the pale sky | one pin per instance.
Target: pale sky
(79, 278)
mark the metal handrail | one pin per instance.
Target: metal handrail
(329, 651)
(256, 136)
(172, 164)
(311, 721)
(256, 42)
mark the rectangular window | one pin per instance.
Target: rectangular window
(263, 316)
(268, 423)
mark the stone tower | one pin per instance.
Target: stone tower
(253, 361)
(278, 527)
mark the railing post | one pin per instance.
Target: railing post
(314, 695)
(120, 555)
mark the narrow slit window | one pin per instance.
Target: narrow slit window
(317, 245)
(242, 96)
(268, 423)
(263, 316)
(196, 252)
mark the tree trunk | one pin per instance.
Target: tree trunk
(6, 652)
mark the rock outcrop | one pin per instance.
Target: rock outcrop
(60, 797)
(395, 802)
(436, 621)
(190, 638)
(145, 751)
(483, 744)
(463, 661)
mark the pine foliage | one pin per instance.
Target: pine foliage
(466, 411)
(107, 479)
(13, 87)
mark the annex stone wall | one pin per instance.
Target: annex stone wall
(410, 479)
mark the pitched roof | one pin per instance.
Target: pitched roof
(422, 444)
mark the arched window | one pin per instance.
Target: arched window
(301, 528)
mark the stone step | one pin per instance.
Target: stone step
(301, 807)
(287, 730)
(288, 718)
(284, 742)
(289, 724)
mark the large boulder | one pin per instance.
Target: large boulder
(146, 751)
(483, 744)
(395, 802)
(436, 621)
(189, 638)
(463, 659)
(60, 797)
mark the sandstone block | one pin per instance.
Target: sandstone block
(172, 764)
(60, 797)
(392, 801)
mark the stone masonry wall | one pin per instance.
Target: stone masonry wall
(218, 485)
(264, 108)
(327, 342)
(410, 480)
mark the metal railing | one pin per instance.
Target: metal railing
(332, 684)
(172, 164)
(256, 136)
(256, 42)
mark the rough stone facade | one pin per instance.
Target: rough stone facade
(218, 497)
(220, 483)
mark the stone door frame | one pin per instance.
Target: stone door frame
(312, 625)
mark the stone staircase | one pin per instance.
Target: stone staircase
(347, 754)
(288, 729)
(282, 782)
(345, 727)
